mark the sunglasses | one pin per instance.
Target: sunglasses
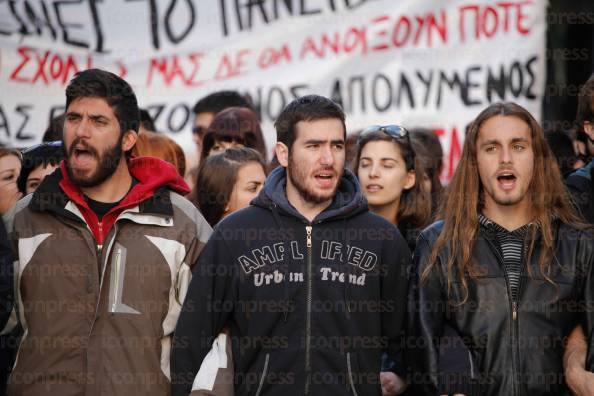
(395, 131)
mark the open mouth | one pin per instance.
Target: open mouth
(507, 180)
(373, 188)
(325, 179)
(81, 156)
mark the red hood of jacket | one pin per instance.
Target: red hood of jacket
(152, 173)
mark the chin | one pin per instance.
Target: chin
(508, 201)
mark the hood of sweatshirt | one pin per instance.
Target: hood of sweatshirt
(347, 202)
(151, 173)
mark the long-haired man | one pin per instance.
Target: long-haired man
(509, 266)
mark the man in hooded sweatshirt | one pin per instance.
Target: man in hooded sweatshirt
(310, 284)
(104, 249)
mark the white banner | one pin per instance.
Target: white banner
(427, 63)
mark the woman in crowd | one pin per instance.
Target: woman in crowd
(233, 128)
(391, 178)
(228, 182)
(10, 168)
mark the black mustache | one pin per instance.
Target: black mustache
(80, 142)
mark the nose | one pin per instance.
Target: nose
(82, 129)
(374, 171)
(506, 155)
(327, 156)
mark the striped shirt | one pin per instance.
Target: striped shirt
(511, 246)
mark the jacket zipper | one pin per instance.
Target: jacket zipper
(263, 374)
(308, 314)
(350, 373)
(104, 253)
(514, 316)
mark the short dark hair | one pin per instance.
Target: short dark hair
(305, 108)
(147, 121)
(97, 83)
(585, 111)
(220, 100)
(44, 154)
(217, 177)
(55, 129)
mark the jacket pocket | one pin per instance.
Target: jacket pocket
(263, 375)
(352, 368)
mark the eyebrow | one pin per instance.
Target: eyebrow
(319, 141)
(495, 141)
(381, 159)
(93, 116)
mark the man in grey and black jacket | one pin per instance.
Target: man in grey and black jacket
(104, 249)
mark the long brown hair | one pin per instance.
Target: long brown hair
(216, 179)
(463, 202)
(414, 209)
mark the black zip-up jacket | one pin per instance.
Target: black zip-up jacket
(516, 347)
(310, 306)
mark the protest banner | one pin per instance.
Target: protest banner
(416, 63)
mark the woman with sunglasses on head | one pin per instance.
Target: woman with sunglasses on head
(391, 179)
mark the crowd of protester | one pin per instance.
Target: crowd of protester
(100, 204)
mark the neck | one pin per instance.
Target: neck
(510, 217)
(308, 209)
(388, 211)
(114, 188)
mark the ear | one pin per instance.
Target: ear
(589, 129)
(282, 153)
(411, 178)
(129, 140)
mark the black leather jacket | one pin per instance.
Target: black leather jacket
(516, 348)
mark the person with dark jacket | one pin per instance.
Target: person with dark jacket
(104, 249)
(6, 303)
(580, 185)
(311, 285)
(510, 267)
